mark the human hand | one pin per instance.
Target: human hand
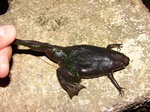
(7, 36)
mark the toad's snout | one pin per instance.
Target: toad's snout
(126, 60)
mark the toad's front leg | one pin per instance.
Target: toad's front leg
(69, 82)
(118, 46)
(111, 77)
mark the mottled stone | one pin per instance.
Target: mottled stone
(33, 85)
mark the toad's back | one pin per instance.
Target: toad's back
(91, 61)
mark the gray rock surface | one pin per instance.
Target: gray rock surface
(34, 86)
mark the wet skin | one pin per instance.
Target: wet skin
(81, 61)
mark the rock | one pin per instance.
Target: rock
(33, 83)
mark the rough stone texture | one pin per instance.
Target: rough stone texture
(34, 87)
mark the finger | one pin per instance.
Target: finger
(7, 35)
(5, 56)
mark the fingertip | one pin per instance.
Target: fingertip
(4, 70)
(7, 35)
(4, 61)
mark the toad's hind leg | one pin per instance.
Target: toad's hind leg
(69, 82)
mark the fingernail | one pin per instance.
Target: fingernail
(5, 30)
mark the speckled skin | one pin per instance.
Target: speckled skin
(82, 61)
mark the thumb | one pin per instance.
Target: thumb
(7, 35)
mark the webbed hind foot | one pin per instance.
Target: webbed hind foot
(73, 88)
(68, 83)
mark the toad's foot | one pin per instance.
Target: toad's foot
(71, 87)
